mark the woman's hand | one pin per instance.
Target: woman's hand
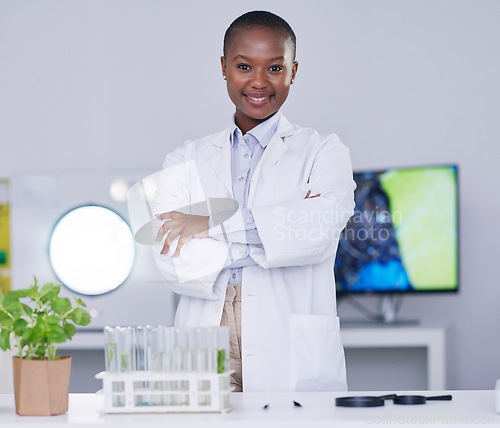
(308, 196)
(183, 225)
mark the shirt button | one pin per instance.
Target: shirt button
(247, 140)
(245, 155)
(234, 276)
(241, 178)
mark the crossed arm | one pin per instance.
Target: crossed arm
(186, 226)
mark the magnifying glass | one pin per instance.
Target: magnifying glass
(363, 401)
(377, 401)
(419, 399)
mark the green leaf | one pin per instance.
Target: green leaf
(27, 310)
(80, 302)
(5, 321)
(1, 296)
(69, 329)
(19, 326)
(40, 351)
(12, 305)
(5, 340)
(19, 294)
(221, 361)
(11, 300)
(49, 290)
(56, 334)
(52, 320)
(32, 336)
(124, 361)
(80, 317)
(60, 305)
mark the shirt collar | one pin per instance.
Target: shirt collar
(263, 132)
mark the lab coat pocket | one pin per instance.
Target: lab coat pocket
(316, 354)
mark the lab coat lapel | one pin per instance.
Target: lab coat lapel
(220, 162)
(275, 149)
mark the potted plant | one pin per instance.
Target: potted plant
(32, 322)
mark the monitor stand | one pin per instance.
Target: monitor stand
(387, 315)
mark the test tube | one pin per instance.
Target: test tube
(143, 350)
(126, 357)
(202, 355)
(197, 350)
(110, 349)
(156, 343)
(222, 349)
(169, 362)
(169, 347)
(111, 355)
(140, 342)
(212, 350)
(223, 362)
(180, 364)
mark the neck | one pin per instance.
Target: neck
(246, 123)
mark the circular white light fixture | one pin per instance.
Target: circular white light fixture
(92, 250)
(118, 190)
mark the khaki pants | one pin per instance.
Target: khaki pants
(231, 316)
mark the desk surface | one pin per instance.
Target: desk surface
(472, 408)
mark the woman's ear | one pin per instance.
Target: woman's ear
(223, 66)
(295, 66)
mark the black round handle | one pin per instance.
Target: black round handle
(440, 398)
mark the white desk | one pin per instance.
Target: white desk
(431, 338)
(468, 408)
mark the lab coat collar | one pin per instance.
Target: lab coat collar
(285, 129)
(263, 132)
(221, 161)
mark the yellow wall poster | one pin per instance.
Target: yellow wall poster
(4, 236)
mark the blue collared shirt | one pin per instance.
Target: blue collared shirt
(246, 152)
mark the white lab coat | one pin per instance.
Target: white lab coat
(290, 331)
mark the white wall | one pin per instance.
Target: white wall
(115, 84)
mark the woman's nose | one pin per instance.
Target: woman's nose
(258, 79)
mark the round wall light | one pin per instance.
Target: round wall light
(92, 250)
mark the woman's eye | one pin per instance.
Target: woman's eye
(276, 68)
(244, 67)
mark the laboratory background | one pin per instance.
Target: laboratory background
(94, 94)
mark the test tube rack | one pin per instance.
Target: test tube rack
(155, 392)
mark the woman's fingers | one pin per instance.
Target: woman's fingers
(168, 215)
(174, 233)
(165, 248)
(180, 225)
(308, 196)
(171, 222)
(180, 244)
(168, 225)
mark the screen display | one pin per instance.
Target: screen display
(403, 235)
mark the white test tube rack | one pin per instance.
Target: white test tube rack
(201, 392)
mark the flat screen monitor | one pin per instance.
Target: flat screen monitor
(403, 236)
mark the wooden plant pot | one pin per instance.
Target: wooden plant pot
(41, 386)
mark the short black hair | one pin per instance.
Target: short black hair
(259, 18)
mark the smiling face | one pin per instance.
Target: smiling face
(259, 67)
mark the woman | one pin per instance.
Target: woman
(266, 269)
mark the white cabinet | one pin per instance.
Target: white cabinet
(395, 357)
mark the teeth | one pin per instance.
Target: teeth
(258, 99)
